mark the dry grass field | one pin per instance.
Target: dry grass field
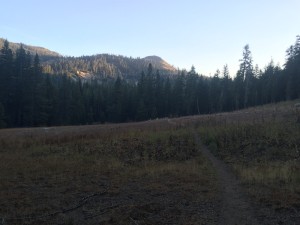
(143, 173)
(151, 172)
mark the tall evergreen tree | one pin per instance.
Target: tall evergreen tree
(167, 92)
(215, 93)
(116, 105)
(22, 88)
(202, 95)
(226, 98)
(158, 96)
(191, 104)
(178, 96)
(2, 116)
(245, 75)
(64, 110)
(292, 69)
(7, 80)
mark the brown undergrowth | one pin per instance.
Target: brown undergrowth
(145, 173)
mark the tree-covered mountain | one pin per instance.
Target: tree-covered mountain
(99, 67)
(106, 66)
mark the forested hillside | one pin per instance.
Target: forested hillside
(44, 54)
(105, 66)
(31, 97)
(96, 67)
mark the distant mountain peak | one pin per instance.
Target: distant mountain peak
(156, 60)
(153, 58)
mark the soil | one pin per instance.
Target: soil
(140, 201)
(235, 207)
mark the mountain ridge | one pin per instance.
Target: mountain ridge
(44, 53)
(98, 66)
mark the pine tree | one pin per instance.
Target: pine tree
(149, 97)
(158, 96)
(2, 116)
(215, 93)
(142, 113)
(38, 98)
(64, 110)
(178, 96)
(191, 106)
(115, 110)
(292, 69)
(6, 80)
(22, 88)
(203, 98)
(44, 114)
(167, 91)
(225, 97)
(244, 78)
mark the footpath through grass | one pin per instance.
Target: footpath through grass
(262, 145)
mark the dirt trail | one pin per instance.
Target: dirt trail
(235, 206)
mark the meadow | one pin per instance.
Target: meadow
(151, 172)
(143, 173)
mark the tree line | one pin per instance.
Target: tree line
(31, 97)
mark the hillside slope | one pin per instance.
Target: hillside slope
(107, 66)
(100, 66)
(44, 53)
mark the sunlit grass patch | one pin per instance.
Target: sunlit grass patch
(275, 183)
(270, 173)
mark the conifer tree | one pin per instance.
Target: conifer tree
(7, 80)
(244, 79)
(292, 69)
(2, 116)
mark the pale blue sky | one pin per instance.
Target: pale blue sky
(206, 34)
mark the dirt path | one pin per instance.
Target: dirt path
(235, 206)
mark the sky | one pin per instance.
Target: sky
(205, 33)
